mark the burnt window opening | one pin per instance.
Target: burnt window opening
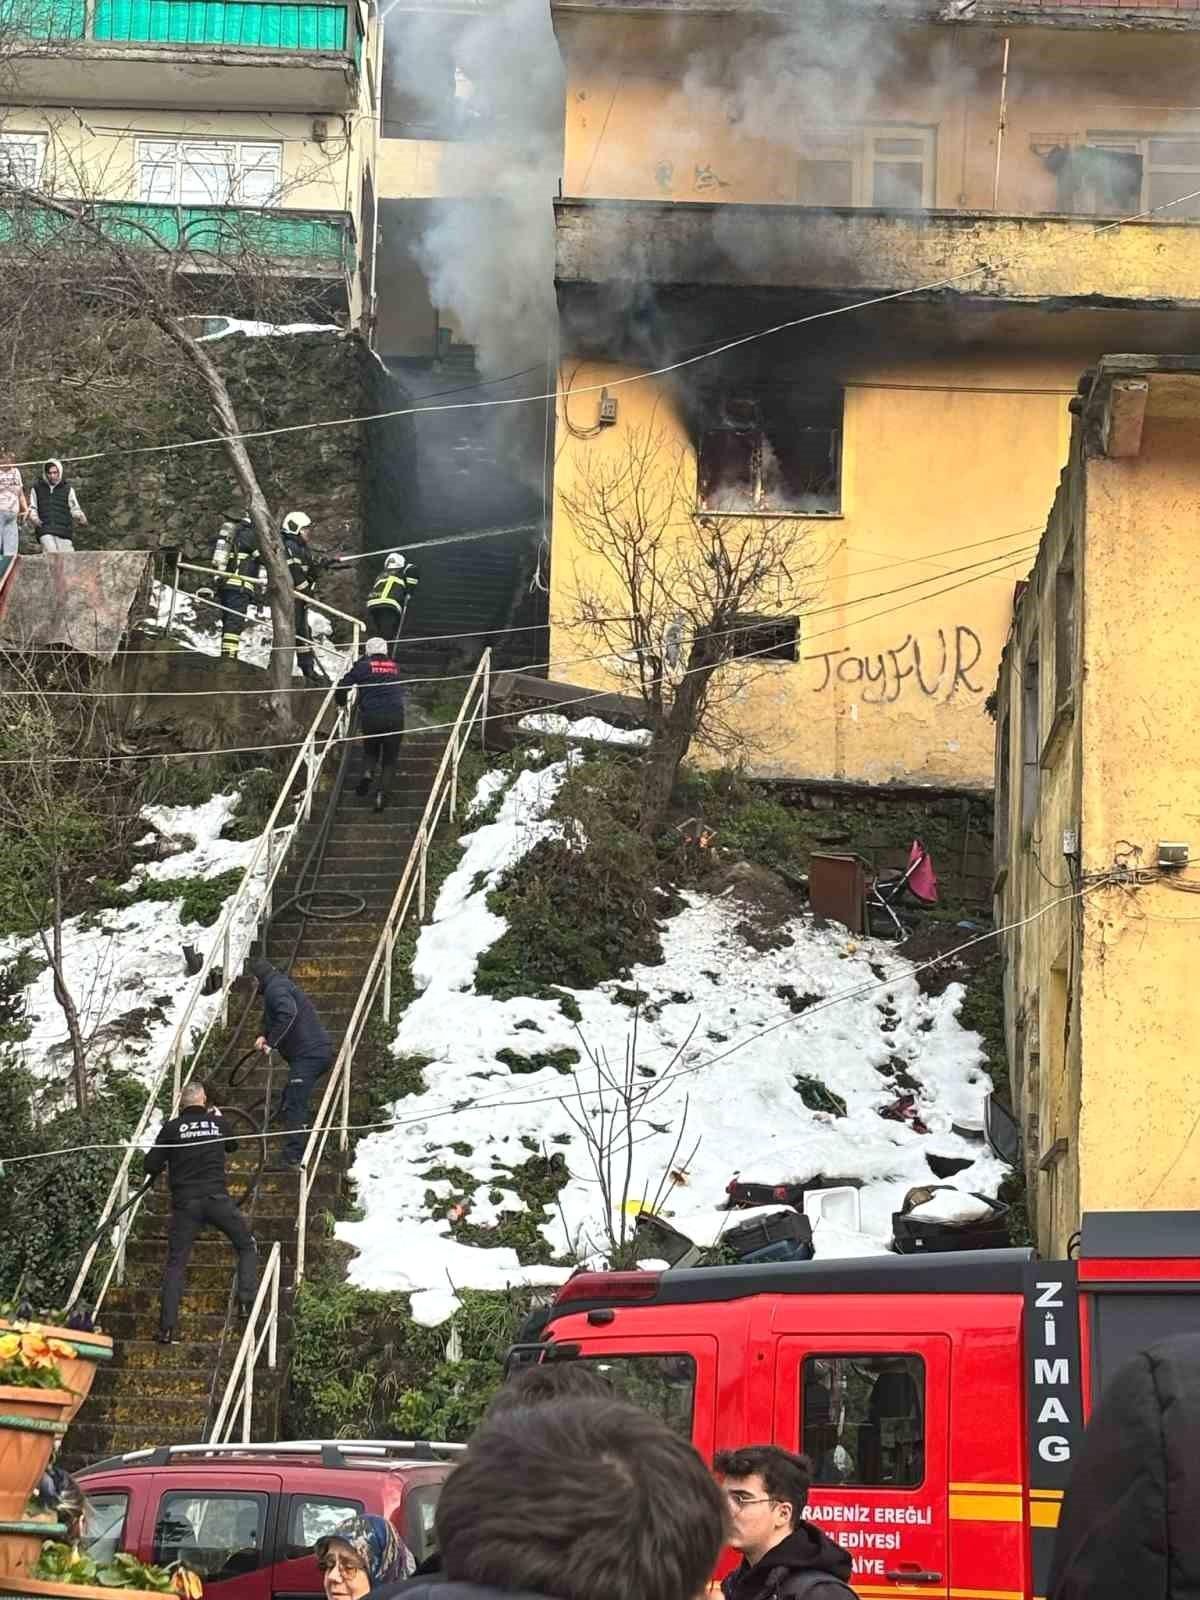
(765, 638)
(772, 454)
(1096, 180)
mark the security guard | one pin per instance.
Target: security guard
(192, 1147)
(389, 597)
(303, 566)
(238, 560)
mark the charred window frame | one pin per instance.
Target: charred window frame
(765, 638)
(1031, 738)
(1119, 174)
(1064, 629)
(771, 452)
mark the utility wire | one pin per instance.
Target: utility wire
(613, 383)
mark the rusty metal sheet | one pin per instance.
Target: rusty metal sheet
(81, 599)
(837, 889)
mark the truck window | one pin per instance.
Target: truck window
(220, 1535)
(864, 1420)
(662, 1384)
(420, 1505)
(312, 1517)
(105, 1524)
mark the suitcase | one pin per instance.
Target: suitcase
(913, 1237)
(756, 1234)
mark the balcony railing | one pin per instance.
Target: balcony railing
(234, 24)
(323, 239)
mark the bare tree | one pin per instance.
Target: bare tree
(134, 282)
(673, 595)
(56, 825)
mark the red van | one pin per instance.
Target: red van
(941, 1397)
(246, 1517)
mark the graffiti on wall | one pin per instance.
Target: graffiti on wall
(938, 666)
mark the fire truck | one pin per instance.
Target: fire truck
(941, 1397)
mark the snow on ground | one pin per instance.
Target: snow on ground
(593, 728)
(197, 624)
(125, 968)
(719, 1050)
(266, 330)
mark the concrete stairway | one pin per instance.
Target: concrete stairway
(153, 1394)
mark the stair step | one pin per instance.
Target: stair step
(147, 1355)
(155, 1384)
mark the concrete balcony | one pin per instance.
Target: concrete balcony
(216, 54)
(1052, 263)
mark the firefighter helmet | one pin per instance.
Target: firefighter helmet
(395, 563)
(296, 522)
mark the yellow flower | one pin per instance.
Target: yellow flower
(33, 1345)
(60, 1347)
(10, 1343)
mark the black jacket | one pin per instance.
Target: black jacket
(439, 1588)
(302, 563)
(1129, 1528)
(806, 1564)
(380, 692)
(196, 1164)
(290, 1023)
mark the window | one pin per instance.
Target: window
(772, 453)
(311, 1519)
(867, 167)
(220, 1535)
(21, 158)
(1031, 738)
(1064, 628)
(1003, 792)
(420, 1506)
(864, 1420)
(765, 638)
(662, 1385)
(191, 173)
(1120, 174)
(105, 1525)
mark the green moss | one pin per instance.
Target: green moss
(563, 1060)
(202, 898)
(982, 1011)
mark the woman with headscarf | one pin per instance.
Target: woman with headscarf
(54, 509)
(360, 1555)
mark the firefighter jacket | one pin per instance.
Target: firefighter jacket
(244, 565)
(393, 590)
(192, 1147)
(302, 564)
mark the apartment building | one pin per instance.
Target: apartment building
(1097, 795)
(926, 201)
(190, 114)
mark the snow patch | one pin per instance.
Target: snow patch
(197, 624)
(593, 728)
(266, 330)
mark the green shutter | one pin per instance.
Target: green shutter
(42, 19)
(248, 24)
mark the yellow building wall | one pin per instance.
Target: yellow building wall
(1141, 783)
(905, 599)
(709, 109)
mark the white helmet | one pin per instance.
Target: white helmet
(296, 521)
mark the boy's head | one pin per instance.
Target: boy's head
(581, 1499)
(547, 1381)
(766, 1489)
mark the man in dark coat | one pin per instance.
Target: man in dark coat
(193, 1147)
(574, 1500)
(782, 1555)
(1129, 1528)
(290, 1025)
(380, 714)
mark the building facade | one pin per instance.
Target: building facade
(923, 202)
(1097, 796)
(230, 125)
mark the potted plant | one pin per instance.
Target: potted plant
(35, 1407)
(89, 1346)
(63, 1569)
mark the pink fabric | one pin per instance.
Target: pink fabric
(923, 882)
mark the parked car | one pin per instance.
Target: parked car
(246, 1517)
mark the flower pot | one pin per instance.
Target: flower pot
(31, 1423)
(79, 1371)
(21, 1585)
(21, 1544)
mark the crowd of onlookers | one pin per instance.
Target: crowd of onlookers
(50, 508)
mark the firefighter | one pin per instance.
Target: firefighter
(192, 1147)
(238, 561)
(303, 566)
(381, 715)
(389, 597)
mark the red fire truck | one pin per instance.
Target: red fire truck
(941, 1397)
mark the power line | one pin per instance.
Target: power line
(457, 1108)
(612, 383)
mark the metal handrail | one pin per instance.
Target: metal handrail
(379, 971)
(250, 903)
(262, 1328)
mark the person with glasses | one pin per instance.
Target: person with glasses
(361, 1554)
(783, 1556)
